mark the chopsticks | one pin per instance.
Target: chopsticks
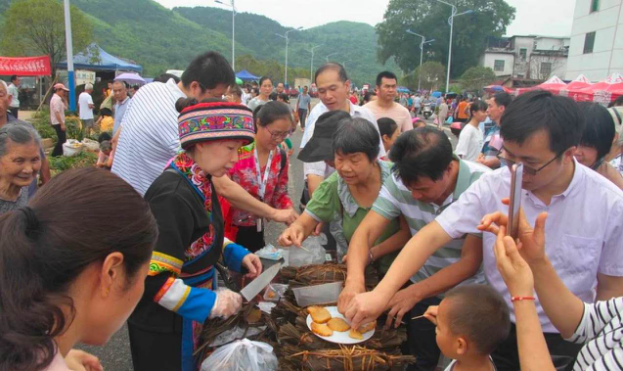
(416, 317)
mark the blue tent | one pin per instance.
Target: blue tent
(245, 75)
(106, 62)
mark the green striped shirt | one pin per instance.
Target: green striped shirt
(395, 199)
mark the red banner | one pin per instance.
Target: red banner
(27, 66)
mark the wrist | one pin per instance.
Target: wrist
(356, 281)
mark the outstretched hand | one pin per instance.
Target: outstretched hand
(514, 270)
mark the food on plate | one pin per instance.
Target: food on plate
(354, 334)
(338, 324)
(367, 327)
(319, 314)
(321, 329)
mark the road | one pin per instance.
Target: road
(115, 355)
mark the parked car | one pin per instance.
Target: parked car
(293, 92)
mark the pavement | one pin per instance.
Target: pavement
(115, 355)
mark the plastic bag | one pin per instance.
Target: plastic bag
(236, 333)
(275, 291)
(242, 355)
(315, 254)
(270, 252)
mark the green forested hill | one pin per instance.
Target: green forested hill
(159, 39)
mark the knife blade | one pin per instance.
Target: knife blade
(257, 285)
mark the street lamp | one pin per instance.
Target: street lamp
(233, 31)
(419, 81)
(327, 57)
(451, 23)
(311, 68)
(285, 77)
(70, 58)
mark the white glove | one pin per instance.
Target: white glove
(227, 304)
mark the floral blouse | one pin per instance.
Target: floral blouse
(245, 174)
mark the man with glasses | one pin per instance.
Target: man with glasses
(584, 233)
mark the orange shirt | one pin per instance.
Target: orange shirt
(461, 110)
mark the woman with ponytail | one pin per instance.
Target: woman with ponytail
(72, 268)
(180, 293)
(262, 170)
(471, 138)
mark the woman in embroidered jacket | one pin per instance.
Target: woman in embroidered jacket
(263, 171)
(179, 290)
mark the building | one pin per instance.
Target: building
(596, 39)
(527, 57)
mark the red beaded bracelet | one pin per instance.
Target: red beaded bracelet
(519, 298)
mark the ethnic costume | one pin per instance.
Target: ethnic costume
(179, 294)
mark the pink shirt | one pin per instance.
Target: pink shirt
(58, 364)
(397, 113)
(57, 106)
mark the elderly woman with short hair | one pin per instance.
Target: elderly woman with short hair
(20, 161)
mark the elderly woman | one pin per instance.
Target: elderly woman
(351, 146)
(20, 161)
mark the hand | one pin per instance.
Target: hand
(293, 235)
(253, 264)
(318, 229)
(365, 307)
(348, 293)
(532, 247)
(287, 216)
(63, 127)
(401, 304)
(513, 268)
(78, 360)
(431, 313)
(227, 304)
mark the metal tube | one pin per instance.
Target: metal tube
(233, 36)
(70, 58)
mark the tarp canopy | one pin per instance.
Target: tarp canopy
(554, 84)
(26, 66)
(246, 76)
(575, 87)
(602, 92)
(97, 59)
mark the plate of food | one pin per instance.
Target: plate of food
(328, 324)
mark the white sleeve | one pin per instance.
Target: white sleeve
(462, 146)
(464, 215)
(314, 168)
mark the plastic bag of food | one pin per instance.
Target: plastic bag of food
(311, 253)
(244, 355)
(275, 291)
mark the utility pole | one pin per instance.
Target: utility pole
(70, 58)
(311, 68)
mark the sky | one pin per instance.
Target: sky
(540, 17)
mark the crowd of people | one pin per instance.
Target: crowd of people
(194, 168)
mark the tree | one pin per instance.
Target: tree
(433, 76)
(475, 78)
(270, 68)
(35, 27)
(430, 18)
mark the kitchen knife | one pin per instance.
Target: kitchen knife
(251, 290)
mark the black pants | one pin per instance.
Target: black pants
(14, 111)
(563, 353)
(250, 238)
(421, 338)
(155, 351)
(62, 137)
(302, 117)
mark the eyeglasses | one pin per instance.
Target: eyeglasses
(279, 134)
(526, 169)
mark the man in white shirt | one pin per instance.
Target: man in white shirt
(13, 91)
(385, 105)
(583, 230)
(417, 105)
(122, 101)
(85, 106)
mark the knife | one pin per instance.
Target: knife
(251, 290)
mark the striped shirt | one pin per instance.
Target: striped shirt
(149, 137)
(395, 199)
(601, 329)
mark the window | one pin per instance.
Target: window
(546, 69)
(589, 42)
(594, 5)
(498, 65)
(523, 52)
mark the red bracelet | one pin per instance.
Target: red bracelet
(519, 298)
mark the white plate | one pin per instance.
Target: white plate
(339, 337)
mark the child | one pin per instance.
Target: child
(104, 156)
(105, 122)
(389, 132)
(472, 320)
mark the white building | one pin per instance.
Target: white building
(527, 57)
(596, 39)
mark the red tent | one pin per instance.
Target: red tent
(554, 84)
(602, 92)
(575, 87)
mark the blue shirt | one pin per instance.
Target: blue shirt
(120, 108)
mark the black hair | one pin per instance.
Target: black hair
(355, 135)
(617, 102)
(256, 91)
(209, 69)
(366, 97)
(264, 78)
(469, 304)
(187, 102)
(341, 71)
(423, 152)
(271, 112)
(599, 129)
(104, 136)
(387, 126)
(71, 223)
(285, 97)
(476, 107)
(13, 78)
(385, 75)
(105, 112)
(164, 77)
(502, 98)
(539, 110)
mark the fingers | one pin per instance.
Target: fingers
(399, 316)
(539, 228)
(488, 221)
(431, 313)
(285, 240)
(298, 238)
(506, 201)
(344, 258)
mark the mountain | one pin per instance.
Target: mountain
(147, 33)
